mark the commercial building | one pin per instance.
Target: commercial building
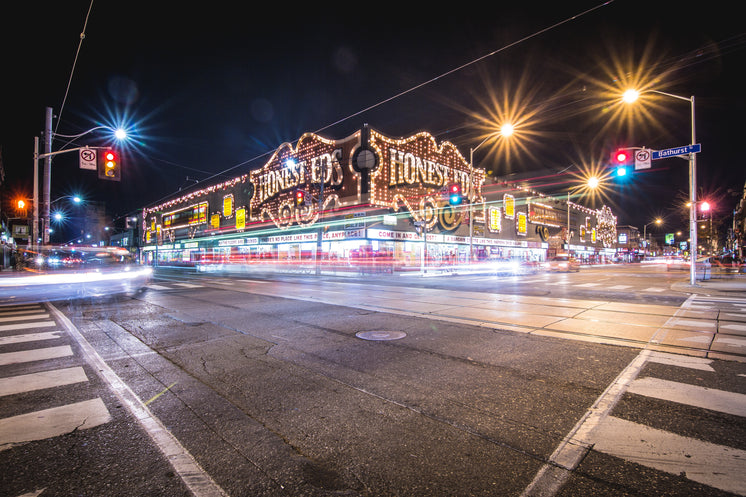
(369, 198)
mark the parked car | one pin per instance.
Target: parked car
(562, 263)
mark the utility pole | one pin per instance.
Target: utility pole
(35, 222)
(47, 176)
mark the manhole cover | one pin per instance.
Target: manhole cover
(380, 335)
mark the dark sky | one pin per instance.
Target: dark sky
(209, 90)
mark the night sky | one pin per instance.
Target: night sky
(209, 91)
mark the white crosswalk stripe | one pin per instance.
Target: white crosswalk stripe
(712, 464)
(24, 326)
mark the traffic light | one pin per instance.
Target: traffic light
(621, 160)
(109, 165)
(454, 194)
(300, 198)
(22, 206)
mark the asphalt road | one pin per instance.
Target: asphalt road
(291, 386)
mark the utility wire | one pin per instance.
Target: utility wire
(432, 80)
(72, 70)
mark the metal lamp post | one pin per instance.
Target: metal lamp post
(631, 96)
(645, 232)
(505, 130)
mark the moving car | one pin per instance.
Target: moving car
(562, 263)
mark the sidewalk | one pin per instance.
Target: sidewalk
(726, 285)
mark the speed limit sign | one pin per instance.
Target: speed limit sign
(642, 159)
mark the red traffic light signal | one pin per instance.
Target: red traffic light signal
(621, 157)
(300, 197)
(454, 194)
(109, 166)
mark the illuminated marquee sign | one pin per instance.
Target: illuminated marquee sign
(314, 161)
(543, 214)
(521, 224)
(495, 224)
(190, 216)
(414, 173)
(509, 205)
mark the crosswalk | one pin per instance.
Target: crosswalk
(38, 356)
(687, 454)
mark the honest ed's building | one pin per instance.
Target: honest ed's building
(369, 196)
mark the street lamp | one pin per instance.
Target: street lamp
(119, 134)
(645, 232)
(591, 183)
(631, 96)
(506, 130)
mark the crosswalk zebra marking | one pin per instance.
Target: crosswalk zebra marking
(25, 317)
(30, 337)
(693, 395)
(25, 326)
(682, 361)
(704, 462)
(38, 381)
(35, 355)
(48, 423)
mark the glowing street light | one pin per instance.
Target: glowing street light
(630, 96)
(590, 184)
(506, 130)
(645, 231)
(119, 134)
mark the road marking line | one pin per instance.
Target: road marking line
(199, 482)
(692, 395)
(714, 465)
(30, 337)
(25, 326)
(573, 448)
(38, 381)
(53, 422)
(682, 361)
(157, 287)
(620, 287)
(654, 289)
(35, 355)
(24, 317)
(188, 285)
(587, 284)
(160, 393)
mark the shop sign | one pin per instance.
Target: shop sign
(521, 224)
(343, 235)
(318, 166)
(495, 220)
(231, 243)
(509, 205)
(393, 235)
(414, 173)
(228, 206)
(240, 219)
(297, 238)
